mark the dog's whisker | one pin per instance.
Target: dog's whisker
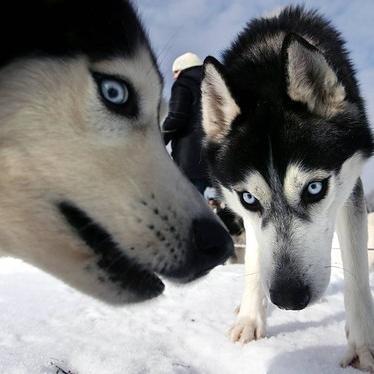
(250, 274)
(138, 190)
(342, 268)
(168, 44)
(359, 288)
(160, 56)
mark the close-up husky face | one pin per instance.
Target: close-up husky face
(285, 146)
(88, 191)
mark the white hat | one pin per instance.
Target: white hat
(188, 60)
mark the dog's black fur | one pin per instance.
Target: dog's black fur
(270, 123)
(98, 29)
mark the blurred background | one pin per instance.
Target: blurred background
(207, 27)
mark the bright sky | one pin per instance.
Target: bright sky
(208, 26)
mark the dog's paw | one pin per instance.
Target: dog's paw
(360, 336)
(361, 358)
(247, 329)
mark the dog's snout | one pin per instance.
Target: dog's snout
(290, 294)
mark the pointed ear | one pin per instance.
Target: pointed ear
(310, 79)
(219, 108)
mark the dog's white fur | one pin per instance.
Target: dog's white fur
(218, 106)
(325, 100)
(352, 233)
(58, 142)
(311, 241)
(315, 251)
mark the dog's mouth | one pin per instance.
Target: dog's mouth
(124, 272)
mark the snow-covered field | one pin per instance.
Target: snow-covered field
(43, 321)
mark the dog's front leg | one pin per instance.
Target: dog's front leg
(251, 319)
(352, 233)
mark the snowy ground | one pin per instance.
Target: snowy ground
(43, 321)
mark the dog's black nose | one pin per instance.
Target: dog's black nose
(290, 294)
(211, 238)
(209, 245)
(212, 242)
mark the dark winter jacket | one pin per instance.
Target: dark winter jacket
(183, 124)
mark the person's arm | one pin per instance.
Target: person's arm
(179, 111)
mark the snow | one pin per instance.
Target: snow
(43, 320)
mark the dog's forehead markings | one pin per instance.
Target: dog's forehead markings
(297, 177)
(256, 184)
(139, 69)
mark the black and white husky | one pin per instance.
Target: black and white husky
(87, 190)
(286, 138)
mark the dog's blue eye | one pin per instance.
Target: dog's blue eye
(249, 201)
(315, 188)
(117, 94)
(114, 91)
(315, 191)
(248, 198)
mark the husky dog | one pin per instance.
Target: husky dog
(286, 138)
(87, 190)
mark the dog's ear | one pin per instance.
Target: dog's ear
(219, 108)
(309, 77)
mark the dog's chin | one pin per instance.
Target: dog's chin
(319, 286)
(143, 284)
(317, 295)
(115, 292)
(193, 269)
(132, 284)
(121, 278)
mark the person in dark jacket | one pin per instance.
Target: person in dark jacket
(182, 126)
